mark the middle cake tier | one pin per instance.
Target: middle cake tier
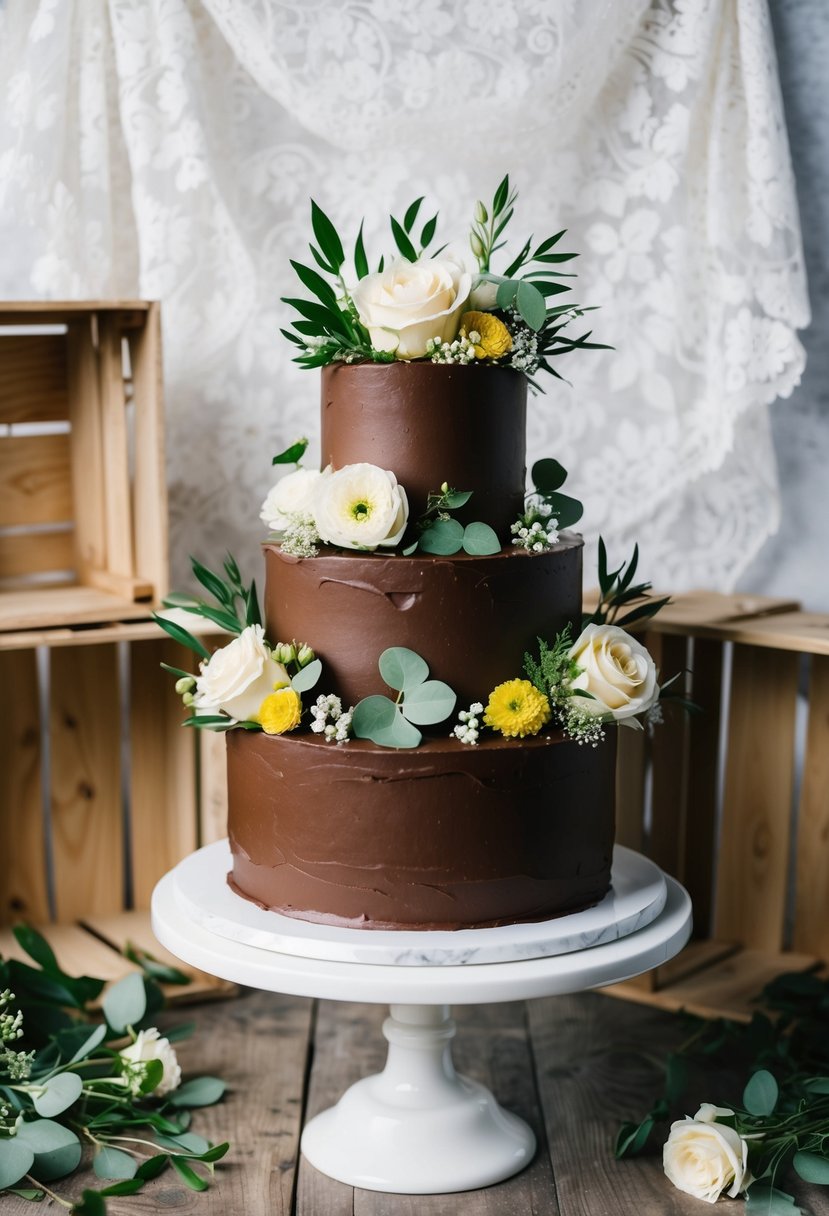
(470, 618)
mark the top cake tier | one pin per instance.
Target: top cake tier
(431, 423)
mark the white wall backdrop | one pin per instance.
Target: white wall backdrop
(168, 149)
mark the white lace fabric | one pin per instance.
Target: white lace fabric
(168, 148)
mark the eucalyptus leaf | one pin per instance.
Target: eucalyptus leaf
(371, 715)
(153, 1071)
(812, 1167)
(402, 669)
(114, 1163)
(398, 734)
(428, 703)
(409, 550)
(760, 1095)
(548, 475)
(817, 1085)
(764, 1200)
(480, 540)
(457, 498)
(25, 1193)
(505, 296)
(16, 1159)
(444, 537)
(566, 510)
(59, 1093)
(188, 1142)
(199, 1091)
(125, 1003)
(531, 305)
(307, 677)
(57, 1150)
(88, 1046)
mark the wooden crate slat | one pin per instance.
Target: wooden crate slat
(141, 629)
(77, 951)
(23, 879)
(74, 605)
(212, 786)
(85, 734)
(117, 488)
(754, 843)
(631, 760)
(807, 632)
(811, 923)
(691, 611)
(150, 485)
(26, 553)
(89, 506)
(132, 928)
(163, 813)
(702, 777)
(669, 761)
(35, 484)
(33, 378)
(61, 312)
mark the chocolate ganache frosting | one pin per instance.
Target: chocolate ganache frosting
(429, 423)
(443, 836)
(470, 618)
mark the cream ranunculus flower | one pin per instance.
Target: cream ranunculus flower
(239, 676)
(361, 506)
(706, 1159)
(149, 1045)
(292, 495)
(405, 305)
(617, 671)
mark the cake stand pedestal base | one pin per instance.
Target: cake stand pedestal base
(418, 1128)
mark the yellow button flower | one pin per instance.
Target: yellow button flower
(516, 709)
(493, 338)
(280, 712)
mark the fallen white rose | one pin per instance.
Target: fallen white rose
(706, 1159)
(293, 494)
(360, 506)
(405, 305)
(239, 676)
(149, 1045)
(616, 670)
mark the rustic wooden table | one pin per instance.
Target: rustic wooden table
(572, 1066)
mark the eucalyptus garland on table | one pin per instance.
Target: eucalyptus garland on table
(780, 1122)
(70, 1082)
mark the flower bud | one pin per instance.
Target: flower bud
(284, 652)
(305, 655)
(188, 699)
(444, 487)
(476, 244)
(185, 684)
(481, 216)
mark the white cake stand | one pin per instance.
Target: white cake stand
(417, 1127)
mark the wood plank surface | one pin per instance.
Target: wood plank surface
(811, 921)
(212, 785)
(631, 765)
(40, 608)
(36, 552)
(33, 378)
(752, 865)
(150, 485)
(163, 811)
(143, 628)
(23, 876)
(89, 506)
(87, 830)
(669, 758)
(35, 484)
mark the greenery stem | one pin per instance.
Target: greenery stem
(42, 1187)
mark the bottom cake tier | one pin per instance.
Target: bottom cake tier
(445, 836)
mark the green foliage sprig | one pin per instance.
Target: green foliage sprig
(65, 1088)
(236, 606)
(617, 591)
(782, 1058)
(420, 702)
(441, 535)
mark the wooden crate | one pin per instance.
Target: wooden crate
(83, 511)
(734, 801)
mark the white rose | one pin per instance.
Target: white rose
(405, 305)
(292, 494)
(708, 1113)
(239, 676)
(704, 1158)
(483, 295)
(150, 1046)
(617, 671)
(361, 506)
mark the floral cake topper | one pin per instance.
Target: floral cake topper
(430, 304)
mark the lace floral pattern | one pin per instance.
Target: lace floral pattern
(169, 149)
